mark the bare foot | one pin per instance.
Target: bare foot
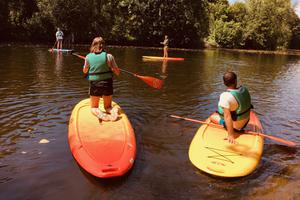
(98, 113)
(114, 114)
(105, 117)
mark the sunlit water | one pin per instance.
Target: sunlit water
(38, 91)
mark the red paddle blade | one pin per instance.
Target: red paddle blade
(153, 82)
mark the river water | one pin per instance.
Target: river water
(39, 89)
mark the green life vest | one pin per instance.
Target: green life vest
(99, 69)
(243, 98)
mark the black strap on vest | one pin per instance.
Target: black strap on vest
(88, 74)
(96, 73)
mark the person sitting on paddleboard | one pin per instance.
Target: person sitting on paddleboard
(99, 67)
(166, 44)
(233, 108)
(59, 38)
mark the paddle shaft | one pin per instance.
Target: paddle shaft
(151, 81)
(54, 44)
(290, 143)
(123, 70)
(79, 56)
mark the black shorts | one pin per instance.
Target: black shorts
(101, 88)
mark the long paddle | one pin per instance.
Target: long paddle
(151, 81)
(53, 45)
(290, 143)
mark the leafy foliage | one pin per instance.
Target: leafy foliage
(228, 34)
(257, 24)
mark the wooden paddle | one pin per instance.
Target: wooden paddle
(151, 81)
(290, 143)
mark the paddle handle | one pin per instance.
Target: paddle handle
(290, 143)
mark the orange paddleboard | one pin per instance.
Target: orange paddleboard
(161, 58)
(103, 149)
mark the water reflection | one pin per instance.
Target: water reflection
(59, 63)
(164, 66)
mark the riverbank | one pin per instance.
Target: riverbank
(281, 52)
(292, 52)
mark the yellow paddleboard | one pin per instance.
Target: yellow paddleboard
(212, 154)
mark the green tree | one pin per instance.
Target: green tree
(295, 28)
(147, 21)
(4, 24)
(237, 12)
(226, 24)
(20, 11)
(255, 24)
(41, 25)
(268, 24)
(228, 34)
(74, 16)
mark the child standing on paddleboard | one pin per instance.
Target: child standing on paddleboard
(59, 38)
(166, 44)
(99, 67)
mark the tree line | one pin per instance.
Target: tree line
(252, 24)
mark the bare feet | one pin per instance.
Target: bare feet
(103, 116)
(114, 114)
(98, 113)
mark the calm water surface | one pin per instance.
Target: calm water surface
(38, 91)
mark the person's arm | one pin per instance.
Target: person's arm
(86, 66)
(166, 42)
(229, 125)
(112, 64)
(224, 102)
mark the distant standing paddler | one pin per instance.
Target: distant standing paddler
(166, 44)
(59, 38)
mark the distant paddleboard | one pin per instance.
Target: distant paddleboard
(61, 50)
(161, 58)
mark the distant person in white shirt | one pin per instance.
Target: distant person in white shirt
(59, 38)
(233, 108)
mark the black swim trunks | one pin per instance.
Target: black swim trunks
(101, 88)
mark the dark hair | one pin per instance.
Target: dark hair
(229, 79)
